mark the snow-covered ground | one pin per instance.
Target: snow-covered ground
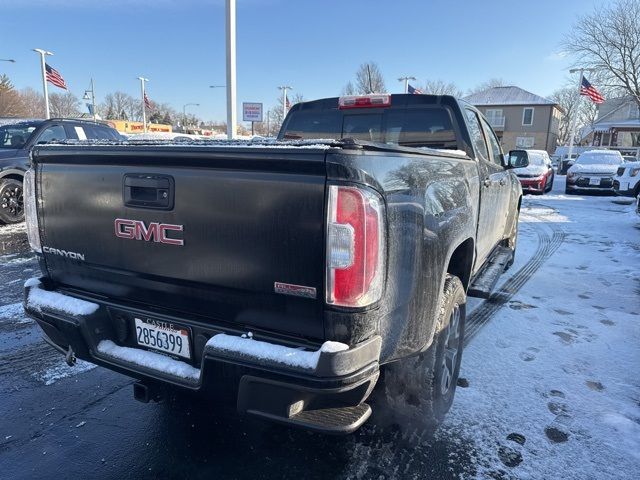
(553, 378)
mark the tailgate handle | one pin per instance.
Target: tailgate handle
(148, 191)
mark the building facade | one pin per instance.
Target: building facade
(618, 124)
(520, 119)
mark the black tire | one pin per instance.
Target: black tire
(421, 388)
(512, 242)
(11, 201)
(548, 189)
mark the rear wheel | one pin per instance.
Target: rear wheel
(422, 387)
(11, 201)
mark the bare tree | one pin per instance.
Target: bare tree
(572, 104)
(64, 105)
(369, 79)
(349, 89)
(116, 106)
(33, 103)
(608, 40)
(276, 111)
(491, 83)
(440, 87)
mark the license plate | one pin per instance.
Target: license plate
(624, 186)
(163, 336)
(594, 181)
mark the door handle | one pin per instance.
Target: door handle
(487, 182)
(148, 191)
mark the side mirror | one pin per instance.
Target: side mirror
(517, 161)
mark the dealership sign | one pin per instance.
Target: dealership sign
(251, 112)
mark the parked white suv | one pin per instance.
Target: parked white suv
(627, 181)
(594, 170)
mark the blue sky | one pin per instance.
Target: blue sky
(314, 46)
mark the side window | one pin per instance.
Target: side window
(477, 137)
(494, 145)
(53, 133)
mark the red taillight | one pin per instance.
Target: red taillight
(355, 247)
(364, 101)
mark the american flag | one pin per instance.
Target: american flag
(590, 91)
(147, 102)
(54, 77)
(287, 103)
(413, 90)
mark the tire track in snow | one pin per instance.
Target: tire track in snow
(548, 244)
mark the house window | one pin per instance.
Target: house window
(494, 117)
(525, 142)
(606, 138)
(527, 116)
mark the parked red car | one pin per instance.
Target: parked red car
(538, 176)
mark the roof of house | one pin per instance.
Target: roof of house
(510, 95)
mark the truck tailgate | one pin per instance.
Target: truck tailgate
(250, 218)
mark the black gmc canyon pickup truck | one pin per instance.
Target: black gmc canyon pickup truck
(18, 136)
(295, 274)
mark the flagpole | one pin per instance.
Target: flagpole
(406, 79)
(572, 133)
(230, 30)
(284, 89)
(574, 120)
(144, 111)
(93, 102)
(43, 68)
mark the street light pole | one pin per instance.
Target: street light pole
(284, 89)
(144, 106)
(93, 100)
(406, 82)
(572, 131)
(184, 115)
(231, 69)
(43, 68)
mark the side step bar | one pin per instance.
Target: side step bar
(484, 283)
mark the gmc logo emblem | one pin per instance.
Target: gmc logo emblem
(155, 232)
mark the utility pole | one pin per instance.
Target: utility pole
(231, 69)
(284, 89)
(144, 106)
(184, 115)
(406, 82)
(572, 131)
(268, 123)
(42, 54)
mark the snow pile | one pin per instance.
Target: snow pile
(153, 361)
(42, 299)
(57, 372)
(264, 351)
